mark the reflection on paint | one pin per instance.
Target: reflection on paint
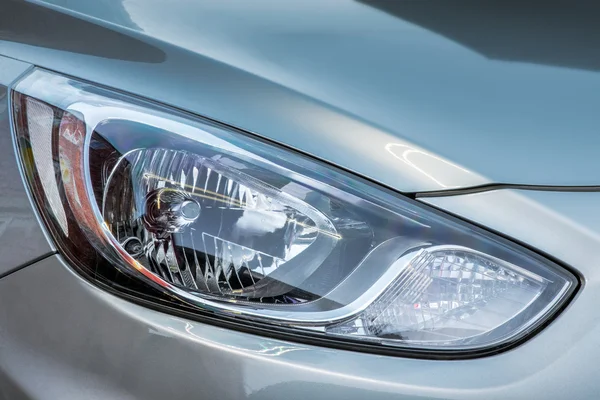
(402, 153)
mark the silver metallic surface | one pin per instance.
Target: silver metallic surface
(80, 342)
(392, 94)
(10, 70)
(564, 225)
(21, 238)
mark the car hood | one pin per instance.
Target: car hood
(417, 98)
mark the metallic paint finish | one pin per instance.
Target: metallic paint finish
(21, 237)
(10, 69)
(562, 224)
(384, 91)
(80, 342)
(384, 94)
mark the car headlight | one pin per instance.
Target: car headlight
(155, 202)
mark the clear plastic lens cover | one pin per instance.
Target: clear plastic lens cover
(141, 196)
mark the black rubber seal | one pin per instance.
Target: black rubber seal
(504, 186)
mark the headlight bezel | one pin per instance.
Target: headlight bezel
(167, 302)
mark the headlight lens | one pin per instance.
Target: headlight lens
(150, 200)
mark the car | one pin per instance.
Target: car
(299, 200)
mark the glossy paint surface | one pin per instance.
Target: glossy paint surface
(563, 225)
(21, 239)
(409, 97)
(418, 98)
(105, 347)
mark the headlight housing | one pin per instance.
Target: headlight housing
(163, 205)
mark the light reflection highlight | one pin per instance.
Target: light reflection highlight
(402, 152)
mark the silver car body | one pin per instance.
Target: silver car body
(504, 138)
